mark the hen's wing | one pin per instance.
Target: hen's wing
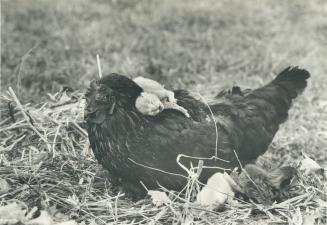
(170, 134)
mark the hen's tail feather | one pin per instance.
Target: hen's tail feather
(293, 80)
(261, 111)
(281, 91)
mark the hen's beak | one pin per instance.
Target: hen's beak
(88, 113)
(94, 116)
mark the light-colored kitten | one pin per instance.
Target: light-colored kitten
(155, 98)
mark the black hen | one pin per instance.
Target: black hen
(135, 147)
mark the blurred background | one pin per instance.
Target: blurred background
(202, 45)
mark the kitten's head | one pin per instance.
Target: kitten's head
(149, 104)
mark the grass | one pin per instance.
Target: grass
(199, 45)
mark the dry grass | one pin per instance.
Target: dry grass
(199, 45)
(47, 162)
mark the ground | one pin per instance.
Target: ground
(203, 46)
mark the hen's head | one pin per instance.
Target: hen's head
(105, 95)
